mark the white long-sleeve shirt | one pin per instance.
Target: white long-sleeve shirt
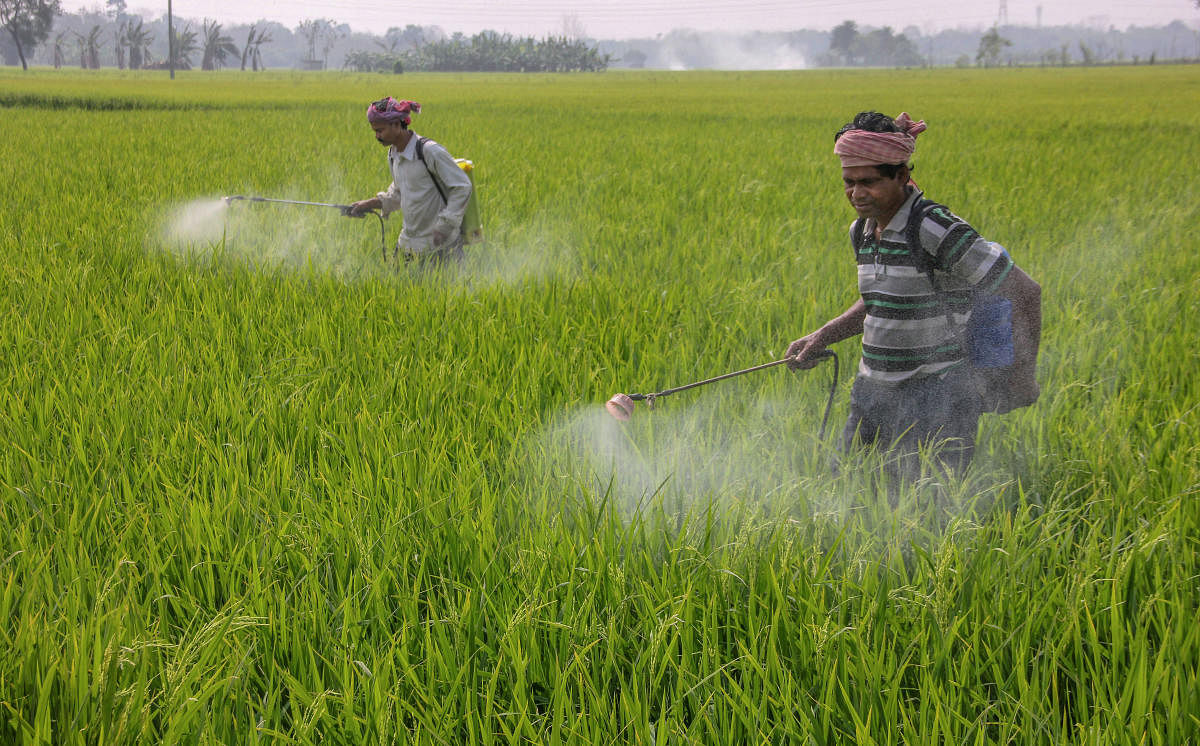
(414, 194)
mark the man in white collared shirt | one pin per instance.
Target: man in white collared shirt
(428, 187)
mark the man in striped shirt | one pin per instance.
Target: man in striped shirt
(915, 388)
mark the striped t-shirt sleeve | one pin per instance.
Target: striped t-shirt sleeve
(971, 261)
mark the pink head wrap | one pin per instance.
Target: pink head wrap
(863, 148)
(387, 110)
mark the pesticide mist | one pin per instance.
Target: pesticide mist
(714, 451)
(201, 221)
(736, 450)
(273, 236)
(286, 237)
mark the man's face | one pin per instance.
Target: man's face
(388, 133)
(873, 195)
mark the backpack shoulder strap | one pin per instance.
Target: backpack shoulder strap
(857, 231)
(421, 157)
(923, 261)
(912, 235)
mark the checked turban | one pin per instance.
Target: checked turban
(387, 110)
(863, 148)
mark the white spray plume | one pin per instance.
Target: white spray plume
(707, 451)
(273, 235)
(761, 453)
(311, 237)
(197, 222)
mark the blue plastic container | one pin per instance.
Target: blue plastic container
(989, 333)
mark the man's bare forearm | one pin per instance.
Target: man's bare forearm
(849, 324)
(805, 349)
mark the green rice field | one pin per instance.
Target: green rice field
(259, 486)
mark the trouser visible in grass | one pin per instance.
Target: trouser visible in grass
(449, 255)
(938, 415)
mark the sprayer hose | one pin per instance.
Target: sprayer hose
(382, 236)
(832, 391)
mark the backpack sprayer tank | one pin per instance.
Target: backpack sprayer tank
(472, 225)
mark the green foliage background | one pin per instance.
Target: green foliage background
(265, 489)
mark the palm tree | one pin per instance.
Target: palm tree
(138, 40)
(184, 45)
(217, 47)
(89, 49)
(246, 48)
(60, 55)
(256, 58)
(251, 51)
(121, 43)
(93, 48)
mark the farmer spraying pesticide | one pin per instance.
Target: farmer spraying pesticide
(430, 189)
(950, 325)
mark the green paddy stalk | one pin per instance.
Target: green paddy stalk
(293, 496)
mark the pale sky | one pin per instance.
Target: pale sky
(627, 19)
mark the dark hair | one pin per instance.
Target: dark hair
(873, 121)
(870, 121)
(890, 170)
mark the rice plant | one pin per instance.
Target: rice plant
(261, 486)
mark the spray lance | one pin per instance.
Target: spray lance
(621, 405)
(345, 210)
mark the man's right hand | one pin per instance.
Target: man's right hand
(360, 208)
(803, 352)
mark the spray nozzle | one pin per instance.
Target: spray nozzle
(620, 406)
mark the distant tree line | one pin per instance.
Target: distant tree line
(92, 38)
(487, 51)
(848, 47)
(85, 39)
(113, 37)
(852, 45)
(37, 32)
